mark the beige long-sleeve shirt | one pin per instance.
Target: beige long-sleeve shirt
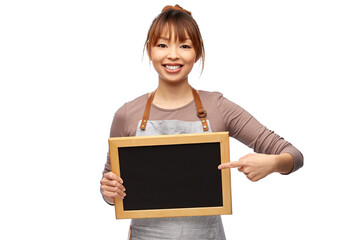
(222, 114)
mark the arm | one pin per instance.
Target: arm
(273, 153)
(112, 185)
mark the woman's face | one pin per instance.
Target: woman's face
(172, 59)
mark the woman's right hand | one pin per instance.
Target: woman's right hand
(112, 187)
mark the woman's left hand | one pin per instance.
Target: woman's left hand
(255, 166)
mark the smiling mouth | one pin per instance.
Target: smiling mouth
(172, 67)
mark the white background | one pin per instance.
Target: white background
(67, 66)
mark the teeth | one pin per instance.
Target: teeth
(171, 67)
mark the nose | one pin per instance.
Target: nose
(173, 53)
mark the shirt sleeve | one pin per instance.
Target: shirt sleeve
(245, 128)
(118, 129)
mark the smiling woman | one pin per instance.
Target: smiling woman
(174, 44)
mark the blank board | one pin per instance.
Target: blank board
(172, 175)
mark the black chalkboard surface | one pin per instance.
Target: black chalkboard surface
(172, 175)
(192, 178)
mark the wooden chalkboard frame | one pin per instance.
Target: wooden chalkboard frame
(217, 137)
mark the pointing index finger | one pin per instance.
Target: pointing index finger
(235, 164)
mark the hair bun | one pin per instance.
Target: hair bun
(176, 7)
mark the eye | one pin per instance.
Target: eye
(185, 46)
(161, 45)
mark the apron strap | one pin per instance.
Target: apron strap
(147, 111)
(201, 113)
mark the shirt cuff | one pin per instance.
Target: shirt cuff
(297, 156)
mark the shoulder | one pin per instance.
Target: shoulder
(208, 94)
(132, 105)
(210, 97)
(212, 101)
(137, 101)
(219, 101)
(215, 98)
(131, 110)
(126, 117)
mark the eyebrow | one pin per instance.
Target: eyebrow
(167, 39)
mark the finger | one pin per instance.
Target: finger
(245, 170)
(113, 176)
(114, 191)
(119, 189)
(252, 177)
(229, 165)
(112, 183)
(110, 194)
(114, 188)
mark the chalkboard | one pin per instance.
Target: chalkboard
(172, 175)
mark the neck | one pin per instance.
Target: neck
(173, 95)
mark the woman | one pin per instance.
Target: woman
(174, 44)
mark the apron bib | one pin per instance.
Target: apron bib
(198, 227)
